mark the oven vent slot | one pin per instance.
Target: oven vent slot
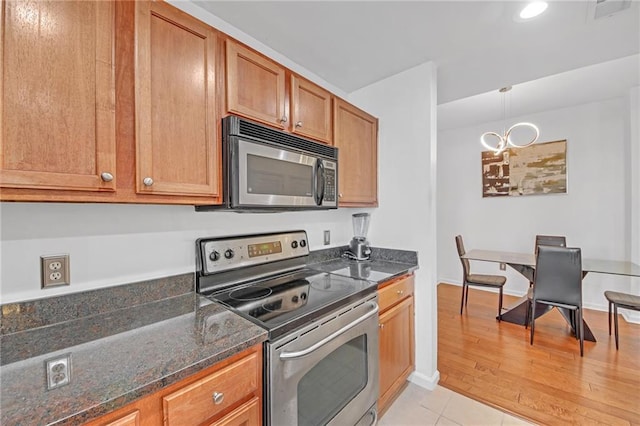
(286, 343)
(310, 330)
(359, 304)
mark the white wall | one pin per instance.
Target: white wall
(634, 191)
(113, 244)
(595, 214)
(406, 106)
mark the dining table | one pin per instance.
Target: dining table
(525, 264)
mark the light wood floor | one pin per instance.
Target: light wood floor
(547, 383)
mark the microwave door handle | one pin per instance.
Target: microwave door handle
(320, 178)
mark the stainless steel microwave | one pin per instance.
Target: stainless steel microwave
(269, 170)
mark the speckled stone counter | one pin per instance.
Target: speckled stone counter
(133, 341)
(384, 264)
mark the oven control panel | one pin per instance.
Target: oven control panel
(225, 253)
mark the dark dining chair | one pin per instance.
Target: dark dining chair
(479, 280)
(550, 240)
(558, 282)
(620, 300)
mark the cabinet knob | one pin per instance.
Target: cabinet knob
(381, 325)
(283, 119)
(218, 397)
(106, 176)
(147, 181)
(340, 195)
(299, 124)
(400, 292)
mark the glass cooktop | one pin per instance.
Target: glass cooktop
(286, 302)
(363, 272)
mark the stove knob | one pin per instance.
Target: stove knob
(214, 255)
(228, 254)
(303, 296)
(294, 244)
(303, 243)
(294, 299)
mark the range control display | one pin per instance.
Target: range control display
(264, 249)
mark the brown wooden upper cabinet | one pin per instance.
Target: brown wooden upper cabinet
(255, 86)
(176, 137)
(356, 137)
(256, 89)
(57, 129)
(311, 110)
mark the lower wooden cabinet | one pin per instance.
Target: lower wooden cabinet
(396, 337)
(211, 395)
(228, 393)
(131, 419)
(245, 415)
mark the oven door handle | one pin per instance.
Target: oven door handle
(315, 346)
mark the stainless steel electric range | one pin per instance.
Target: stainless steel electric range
(321, 357)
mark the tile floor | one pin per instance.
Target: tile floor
(442, 407)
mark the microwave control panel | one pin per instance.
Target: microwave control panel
(330, 182)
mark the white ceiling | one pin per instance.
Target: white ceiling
(477, 45)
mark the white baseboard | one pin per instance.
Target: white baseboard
(425, 381)
(629, 316)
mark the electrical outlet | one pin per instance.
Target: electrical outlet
(327, 237)
(58, 371)
(503, 266)
(55, 270)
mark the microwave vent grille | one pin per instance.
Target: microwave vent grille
(253, 130)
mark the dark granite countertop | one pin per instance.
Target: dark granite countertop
(168, 339)
(384, 264)
(129, 341)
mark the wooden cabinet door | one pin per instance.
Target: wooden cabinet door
(248, 414)
(310, 110)
(255, 86)
(57, 127)
(176, 139)
(396, 349)
(356, 137)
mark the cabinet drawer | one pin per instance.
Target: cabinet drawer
(195, 403)
(131, 419)
(391, 293)
(248, 414)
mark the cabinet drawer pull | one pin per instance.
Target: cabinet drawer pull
(106, 176)
(299, 124)
(147, 181)
(283, 119)
(218, 397)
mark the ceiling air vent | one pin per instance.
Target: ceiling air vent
(604, 8)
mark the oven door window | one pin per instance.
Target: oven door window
(273, 176)
(332, 383)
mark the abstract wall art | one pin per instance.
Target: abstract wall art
(537, 169)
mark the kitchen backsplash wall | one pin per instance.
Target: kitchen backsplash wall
(113, 244)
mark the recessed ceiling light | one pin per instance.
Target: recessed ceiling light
(533, 9)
